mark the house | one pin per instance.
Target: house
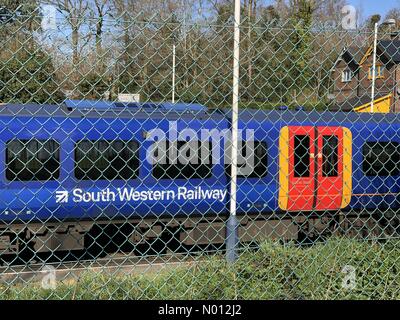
(353, 78)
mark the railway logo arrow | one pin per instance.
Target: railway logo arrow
(61, 196)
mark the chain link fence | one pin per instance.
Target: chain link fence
(115, 143)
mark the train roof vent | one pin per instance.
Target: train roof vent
(139, 105)
(184, 107)
(178, 107)
(88, 104)
(168, 106)
(148, 106)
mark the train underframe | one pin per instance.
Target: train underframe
(161, 235)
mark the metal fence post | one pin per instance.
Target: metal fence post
(374, 68)
(173, 72)
(232, 226)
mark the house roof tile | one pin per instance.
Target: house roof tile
(357, 52)
(391, 48)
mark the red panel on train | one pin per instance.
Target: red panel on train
(315, 168)
(301, 168)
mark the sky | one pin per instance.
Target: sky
(370, 7)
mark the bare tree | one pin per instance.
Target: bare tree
(100, 10)
(74, 13)
(394, 14)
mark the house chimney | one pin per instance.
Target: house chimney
(395, 35)
(391, 23)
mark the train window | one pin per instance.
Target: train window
(30, 160)
(106, 160)
(190, 166)
(260, 165)
(330, 157)
(301, 156)
(381, 158)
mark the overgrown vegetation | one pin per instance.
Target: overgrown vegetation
(27, 72)
(273, 272)
(121, 46)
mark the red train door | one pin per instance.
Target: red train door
(301, 168)
(329, 189)
(314, 168)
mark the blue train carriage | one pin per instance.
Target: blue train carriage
(76, 176)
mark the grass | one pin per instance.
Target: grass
(273, 272)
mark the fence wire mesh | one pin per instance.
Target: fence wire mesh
(115, 146)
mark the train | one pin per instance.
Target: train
(76, 176)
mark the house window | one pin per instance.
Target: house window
(347, 75)
(378, 72)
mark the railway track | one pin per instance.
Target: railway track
(114, 264)
(117, 263)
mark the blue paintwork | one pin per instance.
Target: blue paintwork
(104, 105)
(32, 201)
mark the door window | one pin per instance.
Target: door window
(302, 156)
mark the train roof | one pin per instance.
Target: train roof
(105, 109)
(171, 111)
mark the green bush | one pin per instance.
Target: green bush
(273, 272)
(27, 75)
(93, 87)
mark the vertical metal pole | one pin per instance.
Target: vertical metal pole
(232, 227)
(374, 68)
(173, 72)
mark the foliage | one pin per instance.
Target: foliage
(93, 86)
(285, 59)
(27, 74)
(274, 271)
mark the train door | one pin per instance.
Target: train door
(315, 168)
(329, 176)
